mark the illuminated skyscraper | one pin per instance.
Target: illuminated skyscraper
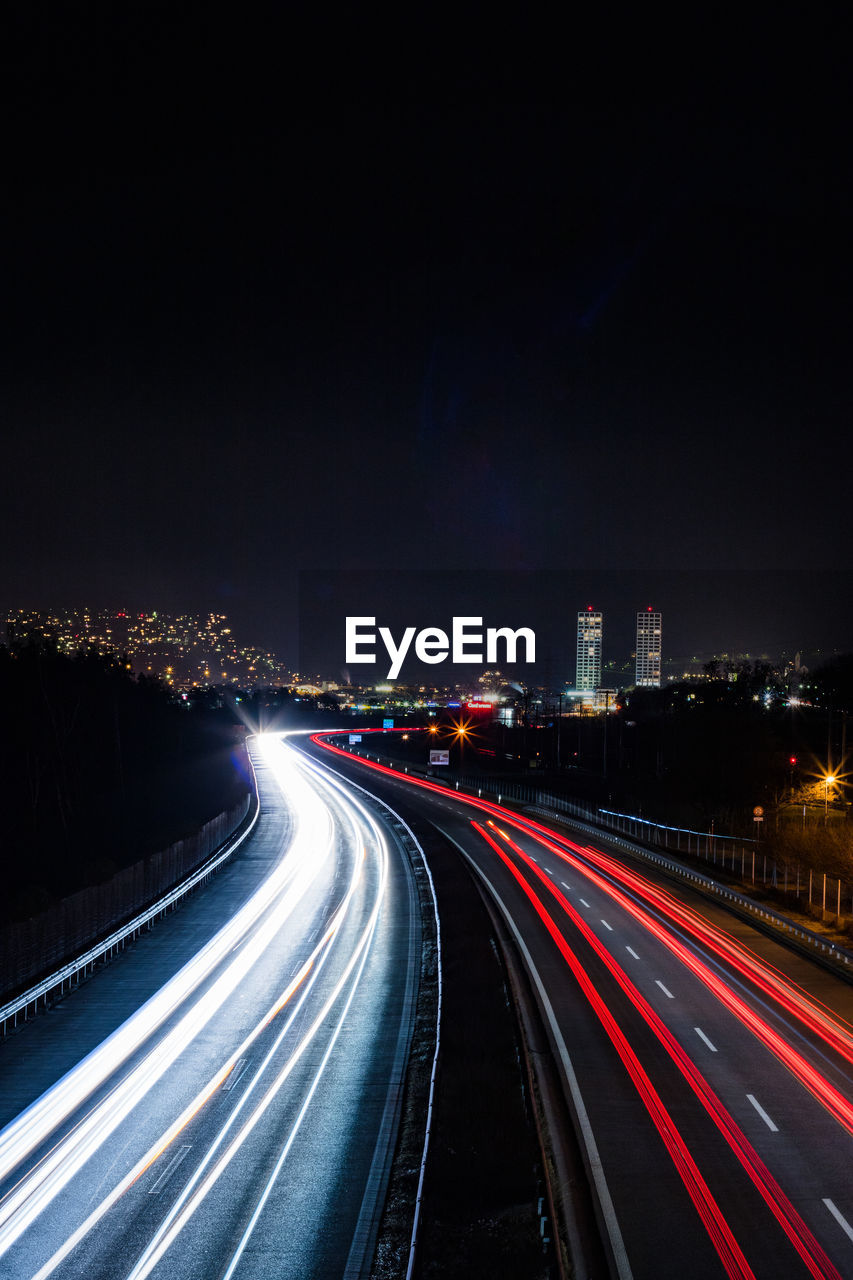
(648, 649)
(590, 629)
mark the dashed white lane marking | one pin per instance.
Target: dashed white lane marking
(664, 990)
(532, 859)
(548, 871)
(239, 1068)
(607, 926)
(701, 1034)
(839, 1218)
(764, 1116)
(566, 886)
(584, 901)
(632, 952)
(168, 1171)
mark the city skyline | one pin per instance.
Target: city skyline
(194, 651)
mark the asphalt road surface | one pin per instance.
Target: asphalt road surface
(710, 1070)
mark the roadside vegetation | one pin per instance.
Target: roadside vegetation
(98, 769)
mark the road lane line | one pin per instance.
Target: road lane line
(584, 901)
(764, 1116)
(168, 1171)
(664, 990)
(234, 1076)
(839, 1218)
(701, 1034)
(607, 926)
(632, 952)
(618, 1252)
(566, 886)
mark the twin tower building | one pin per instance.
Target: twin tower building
(590, 635)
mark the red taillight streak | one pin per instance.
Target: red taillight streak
(763, 975)
(818, 1085)
(806, 1244)
(821, 1021)
(718, 1229)
(820, 1088)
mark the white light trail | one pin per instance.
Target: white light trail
(257, 924)
(190, 1198)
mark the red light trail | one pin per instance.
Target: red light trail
(601, 869)
(807, 1246)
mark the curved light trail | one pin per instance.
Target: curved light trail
(130, 1064)
(789, 999)
(679, 929)
(807, 1246)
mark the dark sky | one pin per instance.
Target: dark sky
(251, 333)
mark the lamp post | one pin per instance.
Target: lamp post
(830, 777)
(461, 733)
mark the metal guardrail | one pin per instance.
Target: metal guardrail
(573, 814)
(829, 950)
(56, 984)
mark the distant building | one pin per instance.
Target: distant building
(590, 630)
(648, 649)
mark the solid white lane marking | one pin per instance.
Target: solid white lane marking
(632, 952)
(701, 1034)
(617, 1244)
(607, 926)
(839, 1218)
(566, 886)
(168, 1171)
(764, 1116)
(584, 901)
(664, 990)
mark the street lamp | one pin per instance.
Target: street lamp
(460, 732)
(830, 777)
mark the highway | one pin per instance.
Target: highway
(222, 1099)
(711, 1088)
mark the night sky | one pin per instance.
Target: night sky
(251, 334)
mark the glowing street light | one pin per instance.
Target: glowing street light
(830, 777)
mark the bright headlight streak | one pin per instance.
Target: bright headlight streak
(167, 1234)
(169, 1136)
(52, 1174)
(32, 1127)
(312, 966)
(298, 1122)
(30, 1197)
